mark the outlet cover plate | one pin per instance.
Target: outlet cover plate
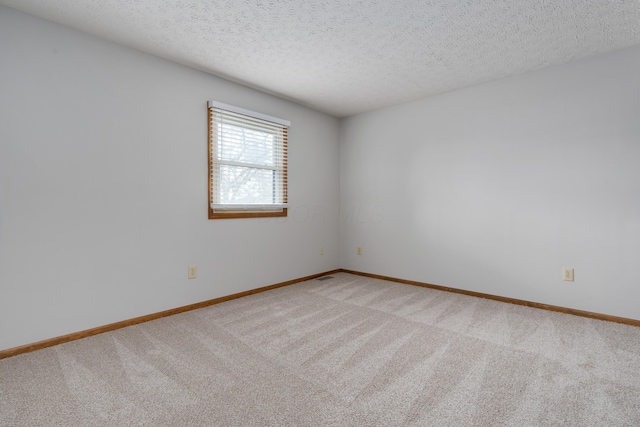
(567, 274)
(192, 272)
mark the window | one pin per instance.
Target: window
(247, 163)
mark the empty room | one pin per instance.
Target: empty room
(334, 213)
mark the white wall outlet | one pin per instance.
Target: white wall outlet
(567, 274)
(321, 250)
(192, 271)
(359, 250)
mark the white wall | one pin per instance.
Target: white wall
(497, 187)
(103, 184)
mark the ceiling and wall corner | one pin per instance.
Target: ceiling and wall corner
(344, 57)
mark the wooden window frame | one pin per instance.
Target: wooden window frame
(227, 214)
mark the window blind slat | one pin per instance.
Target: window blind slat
(238, 110)
(245, 207)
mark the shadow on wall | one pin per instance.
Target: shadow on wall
(355, 213)
(1, 216)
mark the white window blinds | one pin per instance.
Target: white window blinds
(248, 160)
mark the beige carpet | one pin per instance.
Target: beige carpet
(348, 351)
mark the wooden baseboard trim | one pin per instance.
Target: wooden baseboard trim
(136, 320)
(123, 324)
(605, 317)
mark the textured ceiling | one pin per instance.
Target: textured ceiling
(345, 57)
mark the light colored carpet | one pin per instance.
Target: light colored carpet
(349, 351)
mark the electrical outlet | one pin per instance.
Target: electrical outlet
(359, 250)
(192, 272)
(321, 250)
(567, 274)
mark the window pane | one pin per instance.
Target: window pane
(246, 185)
(239, 144)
